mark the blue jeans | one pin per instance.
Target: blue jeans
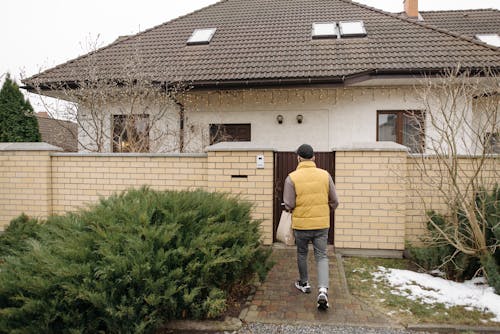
(319, 239)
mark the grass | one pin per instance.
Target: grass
(378, 294)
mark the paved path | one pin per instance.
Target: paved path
(277, 301)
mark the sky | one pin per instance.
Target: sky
(37, 35)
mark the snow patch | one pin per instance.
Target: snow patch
(431, 290)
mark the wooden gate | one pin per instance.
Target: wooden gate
(286, 162)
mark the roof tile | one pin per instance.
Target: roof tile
(263, 39)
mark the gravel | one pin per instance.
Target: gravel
(259, 328)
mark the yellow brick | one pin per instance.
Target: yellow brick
(343, 225)
(379, 226)
(231, 159)
(362, 238)
(361, 186)
(378, 238)
(370, 245)
(351, 244)
(342, 237)
(250, 171)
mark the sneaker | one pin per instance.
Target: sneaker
(323, 299)
(304, 287)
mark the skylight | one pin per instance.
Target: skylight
(491, 39)
(201, 36)
(352, 29)
(324, 30)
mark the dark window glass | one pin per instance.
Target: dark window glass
(229, 132)
(492, 143)
(131, 133)
(402, 127)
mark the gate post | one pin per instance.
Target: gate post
(370, 181)
(25, 180)
(245, 170)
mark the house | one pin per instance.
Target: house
(478, 24)
(344, 67)
(274, 74)
(58, 132)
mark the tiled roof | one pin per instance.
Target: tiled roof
(258, 40)
(465, 22)
(59, 133)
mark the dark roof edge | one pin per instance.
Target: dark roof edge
(298, 81)
(117, 41)
(428, 26)
(329, 81)
(457, 10)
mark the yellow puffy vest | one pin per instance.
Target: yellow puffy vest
(312, 211)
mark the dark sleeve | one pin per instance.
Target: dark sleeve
(333, 200)
(289, 194)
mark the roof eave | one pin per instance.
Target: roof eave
(345, 80)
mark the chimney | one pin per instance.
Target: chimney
(411, 8)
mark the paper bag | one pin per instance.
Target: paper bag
(285, 231)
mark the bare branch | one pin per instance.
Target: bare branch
(459, 163)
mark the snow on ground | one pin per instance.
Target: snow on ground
(431, 290)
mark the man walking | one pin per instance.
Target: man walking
(310, 193)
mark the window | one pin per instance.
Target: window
(201, 36)
(491, 39)
(352, 29)
(492, 143)
(229, 132)
(324, 30)
(130, 133)
(402, 127)
(342, 29)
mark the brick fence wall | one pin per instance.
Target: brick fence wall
(82, 178)
(379, 209)
(372, 214)
(234, 171)
(426, 175)
(41, 182)
(25, 184)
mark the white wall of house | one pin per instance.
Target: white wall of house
(332, 117)
(97, 123)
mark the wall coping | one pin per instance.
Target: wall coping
(28, 146)
(460, 156)
(373, 146)
(132, 155)
(237, 146)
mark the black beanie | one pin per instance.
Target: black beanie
(305, 151)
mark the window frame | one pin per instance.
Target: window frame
(491, 143)
(213, 140)
(116, 143)
(344, 34)
(333, 35)
(492, 39)
(400, 126)
(198, 41)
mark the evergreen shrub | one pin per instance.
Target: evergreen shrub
(455, 264)
(18, 122)
(16, 236)
(131, 263)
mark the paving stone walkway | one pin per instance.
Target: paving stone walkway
(278, 301)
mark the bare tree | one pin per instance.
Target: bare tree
(460, 159)
(122, 108)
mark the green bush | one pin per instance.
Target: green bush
(15, 238)
(457, 265)
(493, 271)
(131, 263)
